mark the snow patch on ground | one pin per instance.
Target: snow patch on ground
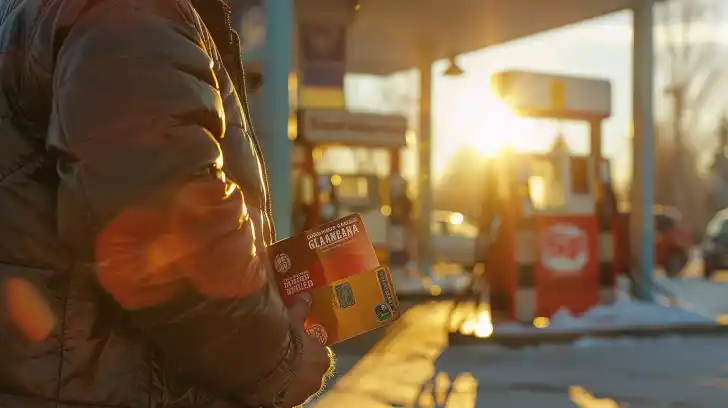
(677, 302)
(623, 314)
(588, 342)
(698, 295)
(626, 313)
(705, 297)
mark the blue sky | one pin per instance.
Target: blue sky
(598, 48)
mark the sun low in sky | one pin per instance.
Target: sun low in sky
(476, 118)
(498, 127)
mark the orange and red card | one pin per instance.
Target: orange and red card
(336, 262)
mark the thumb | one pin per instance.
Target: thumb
(300, 307)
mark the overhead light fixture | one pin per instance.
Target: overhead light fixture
(355, 7)
(453, 69)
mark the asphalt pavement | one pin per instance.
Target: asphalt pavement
(410, 365)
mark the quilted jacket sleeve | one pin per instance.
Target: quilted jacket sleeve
(136, 118)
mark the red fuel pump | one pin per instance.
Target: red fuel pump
(341, 187)
(555, 244)
(554, 247)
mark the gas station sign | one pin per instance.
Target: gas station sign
(566, 272)
(564, 249)
(332, 127)
(554, 96)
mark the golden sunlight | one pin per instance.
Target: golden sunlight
(479, 323)
(497, 127)
(474, 117)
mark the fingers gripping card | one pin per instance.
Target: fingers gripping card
(337, 264)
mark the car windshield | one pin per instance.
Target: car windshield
(665, 218)
(664, 222)
(463, 228)
(454, 223)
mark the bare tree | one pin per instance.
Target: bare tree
(691, 66)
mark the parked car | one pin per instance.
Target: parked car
(715, 244)
(673, 240)
(453, 239)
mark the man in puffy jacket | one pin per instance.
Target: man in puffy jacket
(134, 216)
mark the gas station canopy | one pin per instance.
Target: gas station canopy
(341, 127)
(552, 96)
(386, 34)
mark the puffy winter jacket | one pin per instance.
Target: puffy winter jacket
(134, 214)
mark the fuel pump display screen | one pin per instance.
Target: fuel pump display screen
(547, 184)
(354, 188)
(356, 193)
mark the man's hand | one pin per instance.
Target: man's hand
(315, 360)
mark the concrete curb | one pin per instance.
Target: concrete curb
(520, 340)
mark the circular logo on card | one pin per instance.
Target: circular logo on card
(383, 312)
(282, 263)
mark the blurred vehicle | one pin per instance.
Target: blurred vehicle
(715, 244)
(453, 239)
(673, 240)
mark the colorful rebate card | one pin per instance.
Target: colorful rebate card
(337, 264)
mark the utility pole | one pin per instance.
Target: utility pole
(718, 168)
(643, 161)
(425, 201)
(723, 135)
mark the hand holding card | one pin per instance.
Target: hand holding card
(315, 360)
(336, 263)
